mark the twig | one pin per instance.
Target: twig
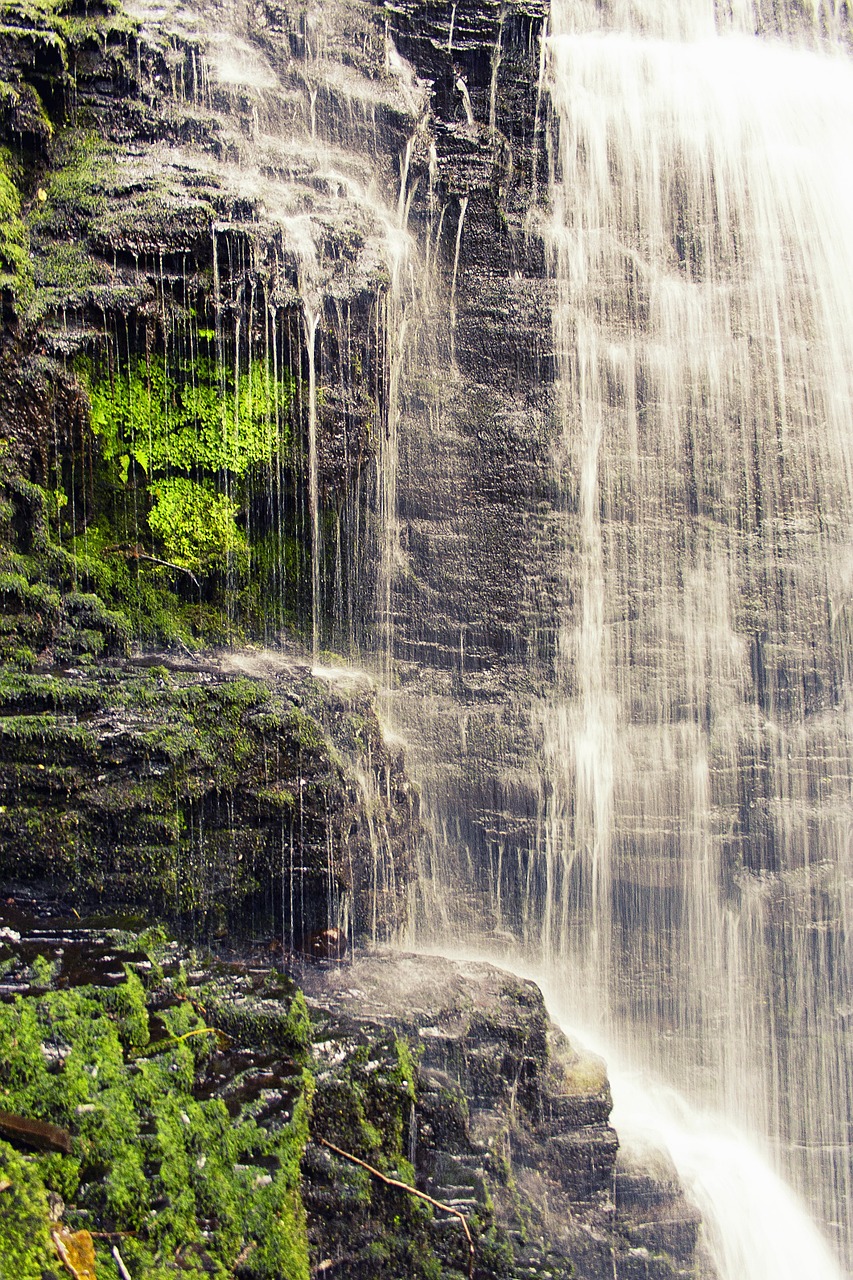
(413, 1191)
(35, 1133)
(243, 1255)
(122, 1269)
(160, 1046)
(136, 554)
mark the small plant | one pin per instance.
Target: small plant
(16, 272)
(194, 431)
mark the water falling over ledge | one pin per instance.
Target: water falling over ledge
(704, 332)
(665, 822)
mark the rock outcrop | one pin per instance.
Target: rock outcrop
(510, 1122)
(266, 802)
(193, 391)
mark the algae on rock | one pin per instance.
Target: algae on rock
(225, 801)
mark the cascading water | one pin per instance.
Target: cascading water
(309, 272)
(689, 889)
(686, 887)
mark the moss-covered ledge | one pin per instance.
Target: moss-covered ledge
(175, 1107)
(168, 1141)
(231, 803)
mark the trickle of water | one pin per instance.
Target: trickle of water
(460, 226)
(312, 319)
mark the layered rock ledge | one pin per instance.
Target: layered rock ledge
(209, 1117)
(510, 1120)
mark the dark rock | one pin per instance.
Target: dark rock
(509, 1113)
(232, 802)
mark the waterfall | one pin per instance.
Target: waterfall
(310, 277)
(696, 763)
(663, 819)
(666, 829)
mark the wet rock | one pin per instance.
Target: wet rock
(266, 804)
(509, 1113)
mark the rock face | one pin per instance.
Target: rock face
(206, 307)
(193, 385)
(268, 803)
(183, 218)
(482, 530)
(509, 1118)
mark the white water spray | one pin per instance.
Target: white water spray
(755, 1228)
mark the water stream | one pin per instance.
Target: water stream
(687, 888)
(696, 763)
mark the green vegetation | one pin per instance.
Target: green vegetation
(16, 272)
(194, 435)
(168, 553)
(25, 1248)
(187, 416)
(195, 526)
(178, 799)
(193, 1188)
(364, 1105)
(65, 271)
(58, 28)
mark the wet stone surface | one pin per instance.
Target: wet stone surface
(441, 1075)
(508, 1113)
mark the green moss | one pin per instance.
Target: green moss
(25, 1249)
(163, 787)
(191, 418)
(183, 443)
(183, 1177)
(308, 733)
(45, 731)
(74, 190)
(16, 272)
(127, 1004)
(65, 269)
(48, 693)
(364, 1104)
(195, 526)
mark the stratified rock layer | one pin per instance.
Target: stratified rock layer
(267, 802)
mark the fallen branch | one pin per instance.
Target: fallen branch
(160, 1046)
(413, 1191)
(119, 1261)
(134, 553)
(35, 1133)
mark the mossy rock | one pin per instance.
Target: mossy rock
(178, 790)
(26, 1252)
(193, 1186)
